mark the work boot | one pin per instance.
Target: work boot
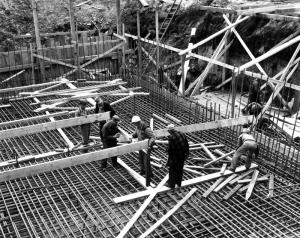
(231, 169)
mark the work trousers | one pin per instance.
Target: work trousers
(113, 159)
(85, 134)
(247, 146)
(143, 162)
(101, 124)
(176, 172)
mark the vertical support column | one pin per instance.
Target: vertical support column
(157, 40)
(32, 64)
(37, 38)
(139, 46)
(119, 24)
(226, 60)
(233, 83)
(182, 75)
(74, 37)
(123, 49)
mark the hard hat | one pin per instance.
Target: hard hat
(98, 100)
(135, 119)
(83, 101)
(116, 118)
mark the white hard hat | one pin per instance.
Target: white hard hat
(135, 119)
(246, 130)
(170, 126)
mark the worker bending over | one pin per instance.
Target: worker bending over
(110, 133)
(246, 143)
(142, 132)
(101, 107)
(84, 128)
(178, 150)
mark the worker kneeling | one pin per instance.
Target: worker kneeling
(178, 150)
(246, 143)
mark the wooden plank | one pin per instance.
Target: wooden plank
(223, 184)
(219, 152)
(253, 58)
(267, 54)
(72, 161)
(154, 43)
(13, 76)
(208, 152)
(30, 119)
(252, 184)
(192, 171)
(92, 60)
(140, 179)
(173, 118)
(207, 125)
(218, 159)
(278, 17)
(222, 170)
(135, 217)
(160, 118)
(240, 177)
(253, 11)
(212, 187)
(185, 183)
(168, 214)
(38, 128)
(232, 191)
(212, 36)
(261, 179)
(271, 186)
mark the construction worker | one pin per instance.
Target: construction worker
(178, 150)
(246, 143)
(84, 128)
(142, 132)
(102, 106)
(254, 96)
(110, 133)
(253, 108)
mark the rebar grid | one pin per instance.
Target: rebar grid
(76, 202)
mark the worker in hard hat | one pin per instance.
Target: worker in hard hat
(178, 150)
(110, 134)
(84, 128)
(143, 132)
(246, 144)
(102, 106)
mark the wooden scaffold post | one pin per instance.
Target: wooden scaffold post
(37, 38)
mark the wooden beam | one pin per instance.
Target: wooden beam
(278, 17)
(212, 187)
(261, 179)
(154, 43)
(160, 118)
(271, 186)
(57, 62)
(72, 161)
(218, 159)
(217, 9)
(212, 36)
(268, 54)
(222, 170)
(164, 73)
(240, 177)
(143, 207)
(253, 11)
(185, 183)
(30, 119)
(92, 60)
(252, 184)
(173, 118)
(224, 183)
(253, 58)
(13, 76)
(29, 130)
(278, 87)
(168, 214)
(232, 191)
(207, 125)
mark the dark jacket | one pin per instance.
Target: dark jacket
(106, 108)
(178, 147)
(109, 130)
